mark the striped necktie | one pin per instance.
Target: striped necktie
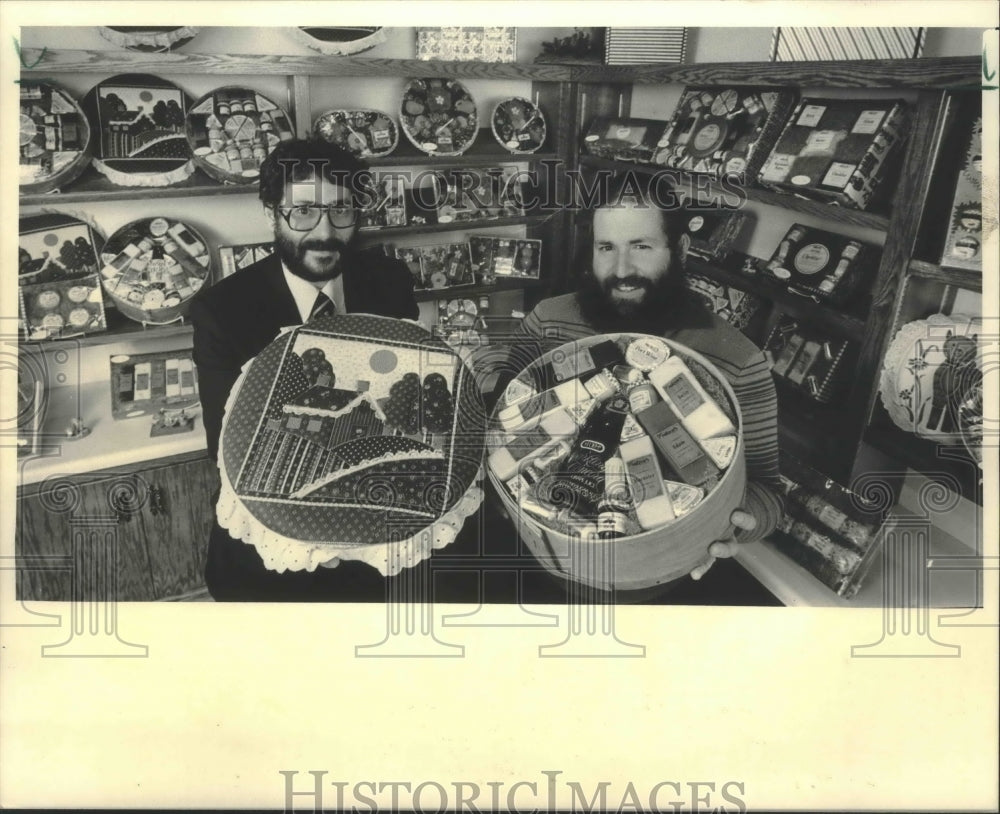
(323, 307)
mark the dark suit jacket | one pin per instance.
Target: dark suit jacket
(235, 320)
(238, 317)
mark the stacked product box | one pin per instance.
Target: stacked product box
(613, 439)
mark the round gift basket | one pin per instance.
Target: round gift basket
(232, 130)
(365, 133)
(353, 437)
(438, 116)
(650, 557)
(153, 267)
(928, 372)
(518, 125)
(54, 142)
(138, 126)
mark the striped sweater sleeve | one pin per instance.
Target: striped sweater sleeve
(754, 389)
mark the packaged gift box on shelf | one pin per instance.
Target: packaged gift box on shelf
(837, 150)
(623, 139)
(805, 359)
(828, 530)
(820, 265)
(964, 244)
(591, 415)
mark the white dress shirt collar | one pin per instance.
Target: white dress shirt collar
(304, 292)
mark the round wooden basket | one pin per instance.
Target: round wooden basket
(54, 138)
(365, 133)
(138, 125)
(652, 557)
(507, 130)
(232, 130)
(429, 107)
(133, 287)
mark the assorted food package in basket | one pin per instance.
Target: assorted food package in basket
(613, 438)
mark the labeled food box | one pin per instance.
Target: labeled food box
(735, 306)
(438, 266)
(232, 130)
(833, 533)
(144, 383)
(620, 139)
(54, 141)
(963, 247)
(240, 256)
(385, 205)
(836, 150)
(505, 257)
(712, 233)
(138, 126)
(807, 360)
(438, 116)
(819, 264)
(724, 131)
(62, 308)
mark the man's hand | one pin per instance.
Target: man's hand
(726, 548)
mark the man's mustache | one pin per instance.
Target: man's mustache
(331, 245)
(634, 281)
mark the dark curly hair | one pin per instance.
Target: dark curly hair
(302, 159)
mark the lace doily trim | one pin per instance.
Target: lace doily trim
(149, 39)
(144, 179)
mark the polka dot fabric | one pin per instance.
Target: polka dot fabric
(313, 461)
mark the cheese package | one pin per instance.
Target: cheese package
(700, 415)
(836, 150)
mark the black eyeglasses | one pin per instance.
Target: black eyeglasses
(305, 218)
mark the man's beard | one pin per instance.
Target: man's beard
(293, 256)
(665, 299)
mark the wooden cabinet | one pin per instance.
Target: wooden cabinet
(829, 437)
(139, 533)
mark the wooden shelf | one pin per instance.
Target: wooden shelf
(93, 187)
(113, 62)
(963, 278)
(483, 152)
(950, 465)
(845, 324)
(831, 212)
(938, 73)
(477, 290)
(376, 235)
(120, 329)
(943, 73)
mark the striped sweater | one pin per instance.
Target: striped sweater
(558, 320)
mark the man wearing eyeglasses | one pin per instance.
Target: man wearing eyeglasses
(311, 195)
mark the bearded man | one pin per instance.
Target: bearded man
(634, 282)
(312, 194)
